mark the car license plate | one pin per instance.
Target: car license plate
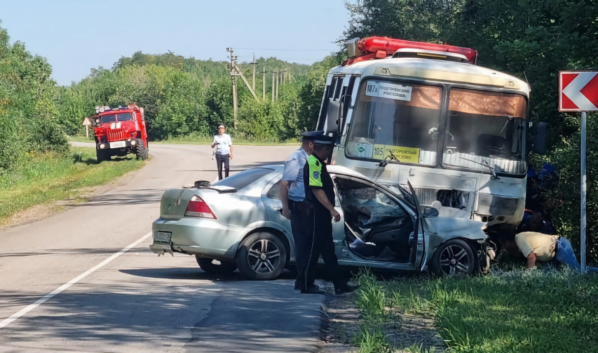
(118, 144)
(163, 237)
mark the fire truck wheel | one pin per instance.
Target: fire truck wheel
(102, 155)
(141, 151)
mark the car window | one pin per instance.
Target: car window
(274, 192)
(244, 178)
(368, 204)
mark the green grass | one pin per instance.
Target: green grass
(508, 311)
(51, 177)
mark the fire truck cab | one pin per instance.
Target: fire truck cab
(120, 131)
(426, 113)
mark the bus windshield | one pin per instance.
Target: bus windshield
(482, 130)
(485, 130)
(398, 118)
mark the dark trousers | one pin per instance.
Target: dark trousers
(222, 159)
(312, 232)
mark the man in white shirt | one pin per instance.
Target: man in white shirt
(224, 150)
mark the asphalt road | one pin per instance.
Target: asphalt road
(67, 285)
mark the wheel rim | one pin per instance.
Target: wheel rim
(263, 256)
(454, 259)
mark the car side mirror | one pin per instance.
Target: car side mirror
(540, 143)
(430, 212)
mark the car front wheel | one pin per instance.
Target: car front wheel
(220, 268)
(261, 256)
(453, 258)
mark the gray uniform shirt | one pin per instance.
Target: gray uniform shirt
(293, 173)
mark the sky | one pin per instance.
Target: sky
(77, 35)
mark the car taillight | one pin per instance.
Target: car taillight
(199, 208)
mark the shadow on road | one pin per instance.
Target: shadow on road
(212, 314)
(136, 197)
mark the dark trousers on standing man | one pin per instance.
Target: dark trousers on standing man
(220, 160)
(312, 232)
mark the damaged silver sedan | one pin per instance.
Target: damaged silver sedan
(236, 223)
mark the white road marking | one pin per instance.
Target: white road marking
(65, 286)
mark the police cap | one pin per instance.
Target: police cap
(311, 135)
(318, 137)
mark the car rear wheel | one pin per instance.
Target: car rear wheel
(217, 268)
(453, 258)
(261, 256)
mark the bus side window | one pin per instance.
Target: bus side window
(324, 108)
(346, 104)
(337, 89)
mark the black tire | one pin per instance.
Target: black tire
(454, 257)
(141, 151)
(261, 256)
(208, 266)
(102, 155)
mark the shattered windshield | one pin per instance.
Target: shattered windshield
(485, 131)
(396, 117)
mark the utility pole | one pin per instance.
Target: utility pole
(239, 73)
(264, 83)
(254, 65)
(273, 84)
(277, 83)
(232, 66)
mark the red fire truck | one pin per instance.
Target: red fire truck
(120, 131)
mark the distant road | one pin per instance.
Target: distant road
(89, 295)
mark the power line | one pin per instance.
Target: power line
(278, 49)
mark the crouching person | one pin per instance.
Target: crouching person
(544, 248)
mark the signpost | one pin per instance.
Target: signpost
(578, 92)
(87, 124)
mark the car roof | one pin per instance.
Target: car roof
(336, 169)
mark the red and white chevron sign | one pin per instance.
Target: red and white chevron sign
(578, 91)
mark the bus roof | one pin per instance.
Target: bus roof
(434, 70)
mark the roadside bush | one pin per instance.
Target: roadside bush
(27, 111)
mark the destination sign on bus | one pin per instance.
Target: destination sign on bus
(403, 154)
(388, 90)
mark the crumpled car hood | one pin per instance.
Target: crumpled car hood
(448, 227)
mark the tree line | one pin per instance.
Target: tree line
(181, 97)
(184, 96)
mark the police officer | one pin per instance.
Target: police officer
(320, 201)
(292, 195)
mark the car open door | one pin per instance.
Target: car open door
(420, 255)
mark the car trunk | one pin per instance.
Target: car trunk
(174, 203)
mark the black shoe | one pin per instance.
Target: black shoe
(347, 288)
(312, 291)
(311, 286)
